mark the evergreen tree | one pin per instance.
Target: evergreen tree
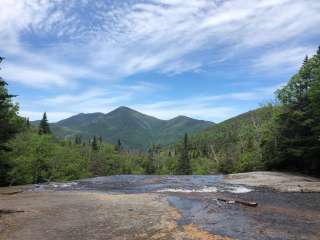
(118, 147)
(150, 168)
(8, 115)
(28, 123)
(10, 124)
(78, 140)
(44, 127)
(94, 144)
(184, 167)
(298, 145)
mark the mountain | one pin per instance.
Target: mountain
(236, 144)
(134, 129)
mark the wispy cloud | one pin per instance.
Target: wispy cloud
(202, 107)
(65, 46)
(286, 58)
(93, 99)
(208, 107)
(53, 116)
(124, 38)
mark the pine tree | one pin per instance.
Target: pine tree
(94, 144)
(10, 124)
(184, 167)
(8, 111)
(118, 147)
(28, 123)
(150, 168)
(78, 140)
(298, 145)
(44, 127)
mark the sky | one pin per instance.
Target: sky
(206, 59)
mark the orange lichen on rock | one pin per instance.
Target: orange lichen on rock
(193, 232)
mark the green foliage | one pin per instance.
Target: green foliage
(248, 161)
(184, 167)
(78, 139)
(203, 166)
(298, 146)
(281, 136)
(39, 158)
(94, 144)
(270, 138)
(44, 127)
(119, 146)
(136, 130)
(10, 124)
(234, 145)
(285, 135)
(150, 164)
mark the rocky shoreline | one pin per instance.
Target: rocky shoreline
(141, 207)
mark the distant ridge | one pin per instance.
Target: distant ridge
(135, 129)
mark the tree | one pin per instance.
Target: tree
(28, 123)
(94, 144)
(184, 167)
(118, 147)
(298, 145)
(150, 166)
(10, 124)
(78, 140)
(8, 115)
(44, 127)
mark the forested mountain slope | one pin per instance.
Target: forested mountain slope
(235, 144)
(134, 129)
(283, 136)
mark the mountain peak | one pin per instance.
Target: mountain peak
(123, 108)
(182, 117)
(135, 129)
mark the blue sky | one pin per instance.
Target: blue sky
(207, 59)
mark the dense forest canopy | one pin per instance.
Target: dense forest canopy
(284, 136)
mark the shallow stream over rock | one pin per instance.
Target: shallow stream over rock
(279, 215)
(145, 184)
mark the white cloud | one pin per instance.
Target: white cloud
(286, 58)
(33, 76)
(72, 99)
(215, 114)
(97, 100)
(52, 116)
(207, 107)
(123, 38)
(89, 100)
(49, 44)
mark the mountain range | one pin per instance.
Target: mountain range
(134, 129)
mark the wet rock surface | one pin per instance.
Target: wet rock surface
(159, 207)
(278, 215)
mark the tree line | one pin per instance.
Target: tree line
(30, 154)
(284, 135)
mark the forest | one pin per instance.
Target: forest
(283, 135)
